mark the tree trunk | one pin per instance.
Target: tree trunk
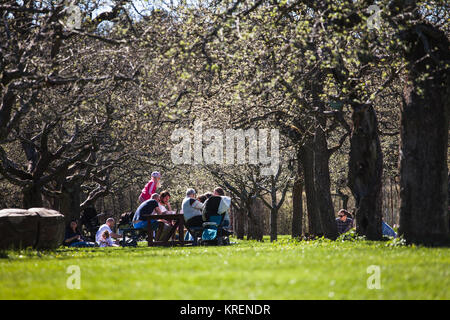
(273, 212)
(240, 220)
(132, 200)
(322, 181)
(424, 139)
(70, 202)
(256, 219)
(344, 198)
(32, 197)
(365, 172)
(273, 224)
(306, 156)
(297, 204)
(391, 202)
(122, 202)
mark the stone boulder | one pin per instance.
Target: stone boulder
(51, 228)
(39, 228)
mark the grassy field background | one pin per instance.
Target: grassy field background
(285, 269)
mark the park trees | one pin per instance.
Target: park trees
(278, 184)
(64, 94)
(34, 68)
(424, 38)
(269, 66)
(241, 184)
(335, 61)
(414, 28)
(91, 108)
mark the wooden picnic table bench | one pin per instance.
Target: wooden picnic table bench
(179, 224)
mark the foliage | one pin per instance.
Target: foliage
(350, 235)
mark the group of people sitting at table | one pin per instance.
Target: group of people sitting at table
(192, 206)
(192, 210)
(152, 203)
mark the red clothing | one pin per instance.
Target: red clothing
(149, 189)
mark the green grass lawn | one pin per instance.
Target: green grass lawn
(245, 270)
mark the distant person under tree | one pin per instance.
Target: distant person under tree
(344, 223)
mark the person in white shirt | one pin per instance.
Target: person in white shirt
(106, 241)
(110, 222)
(163, 200)
(165, 226)
(192, 210)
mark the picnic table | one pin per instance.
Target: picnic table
(179, 224)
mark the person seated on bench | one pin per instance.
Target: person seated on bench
(110, 222)
(147, 208)
(164, 205)
(202, 198)
(226, 220)
(192, 210)
(216, 208)
(165, 226)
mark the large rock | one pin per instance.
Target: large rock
(18, 228)
(51, 228)
(39, 228)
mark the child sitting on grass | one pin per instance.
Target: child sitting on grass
(106, 241)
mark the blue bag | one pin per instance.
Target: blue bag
(188, 237)
(210, 230)
(209, 234)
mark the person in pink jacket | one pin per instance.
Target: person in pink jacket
(150, 187)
